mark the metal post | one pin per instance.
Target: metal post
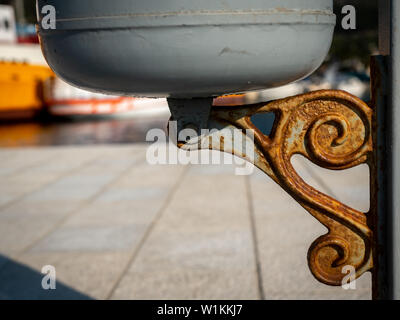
(386, 90)
(394, 138)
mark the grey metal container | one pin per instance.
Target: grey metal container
(182, 48)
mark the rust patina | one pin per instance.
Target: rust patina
(331, 128)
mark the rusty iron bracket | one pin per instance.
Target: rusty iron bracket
(331, 128)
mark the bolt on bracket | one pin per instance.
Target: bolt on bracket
(331, 128)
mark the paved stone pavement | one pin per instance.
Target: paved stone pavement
(115, 227)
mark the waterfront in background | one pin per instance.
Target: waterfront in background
(79, 131)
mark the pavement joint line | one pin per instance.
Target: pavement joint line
(31, 166)
(15, 255)
(256, 248)
(149, 230)
(80, 207)
(58, 178)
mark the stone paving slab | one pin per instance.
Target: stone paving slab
(113, 223)
(26, 174)
(39, 212)
(201, 248)
(116, 227)
(78, 275)
(285, 232)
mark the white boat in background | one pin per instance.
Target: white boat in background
(8, 30)
(62, 99)
(22, 53)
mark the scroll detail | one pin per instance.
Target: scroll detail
(333, 129)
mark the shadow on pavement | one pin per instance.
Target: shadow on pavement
(20, 282)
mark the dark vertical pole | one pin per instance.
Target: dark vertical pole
(386, 92)
(394, 147)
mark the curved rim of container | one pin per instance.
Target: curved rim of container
(197, 18)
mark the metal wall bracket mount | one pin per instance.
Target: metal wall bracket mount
(331, 128)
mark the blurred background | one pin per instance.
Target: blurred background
(36, 108)
(116, 227)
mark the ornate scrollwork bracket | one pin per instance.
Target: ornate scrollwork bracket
(333, 129)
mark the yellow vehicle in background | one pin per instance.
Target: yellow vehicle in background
(21, 89)
(23, 70)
